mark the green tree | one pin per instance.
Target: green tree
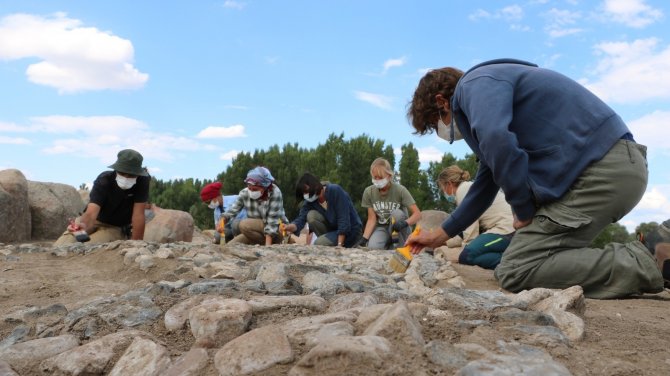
(614, 232)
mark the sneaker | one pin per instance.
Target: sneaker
(663, 261)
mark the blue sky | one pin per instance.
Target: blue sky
(190, 84)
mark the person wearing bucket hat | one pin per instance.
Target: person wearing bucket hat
(211, 195)
(264, 204)
(566, 161)
(116, 207)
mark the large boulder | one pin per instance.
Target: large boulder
(51, 205)
(169, 226)
(432, 219)
(14, 208)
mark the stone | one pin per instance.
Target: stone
(261, 304)
(216, 321)
(193, 363)
(397, 323)
(23, 354)
(51, 206)
(361, 354)
(142, 358)
(14, 207)
(176, 316)
(169, 226)
(92, 358)
(254, 352)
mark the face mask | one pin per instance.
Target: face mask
(124, 182)
(309, 198)
(450, 198)
(213, 205)
(380, 183)
(448, 132)
(255, 195)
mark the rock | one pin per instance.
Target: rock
(397, 323)
(51, 205)
(254, 352)
(192, 363)
(169, 226)
(216, 321)
(432, 219)
(142, 358)
(6, 370)
(24, 354)
(92, 358)
(261, 304)
(361, 355)
(14, 207)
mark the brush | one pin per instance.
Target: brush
(402, 257)
(222, 229)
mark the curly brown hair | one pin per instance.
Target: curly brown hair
(423, 110)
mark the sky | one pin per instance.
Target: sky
(190, 84)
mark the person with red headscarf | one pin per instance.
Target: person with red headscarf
(211, 195)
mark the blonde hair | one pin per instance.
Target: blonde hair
(381, 164)
(452, 174)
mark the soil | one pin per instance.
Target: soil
(623, 337)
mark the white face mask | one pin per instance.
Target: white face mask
(444, 131)
(255, 195)
(380, 183)
(213, 205)
(124, 182)
(309, 198)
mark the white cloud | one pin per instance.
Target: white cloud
(430, 154)
(234, 4)
(652, 130)
(228, 156)
(11, 127)
(377, 100)
(631, 72)
(561, 23)
(233, 131)
(14, 140)
(654, 207)
(73, 58)
(632, 13)
(391, 63)
(98, 126)
(512, 13)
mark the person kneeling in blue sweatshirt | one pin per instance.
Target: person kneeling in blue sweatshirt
(566, 162)
(329, 211)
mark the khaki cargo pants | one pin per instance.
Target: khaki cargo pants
(553, 251)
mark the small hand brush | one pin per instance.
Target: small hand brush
(402, 257)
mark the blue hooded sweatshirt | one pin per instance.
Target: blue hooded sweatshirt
(534, 131)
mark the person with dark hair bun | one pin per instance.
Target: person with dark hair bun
(484, 241)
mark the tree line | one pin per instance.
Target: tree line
(345, 162)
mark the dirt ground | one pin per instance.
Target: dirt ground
(623, 337)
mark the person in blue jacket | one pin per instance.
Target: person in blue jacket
(567, 163)
(329, 211)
